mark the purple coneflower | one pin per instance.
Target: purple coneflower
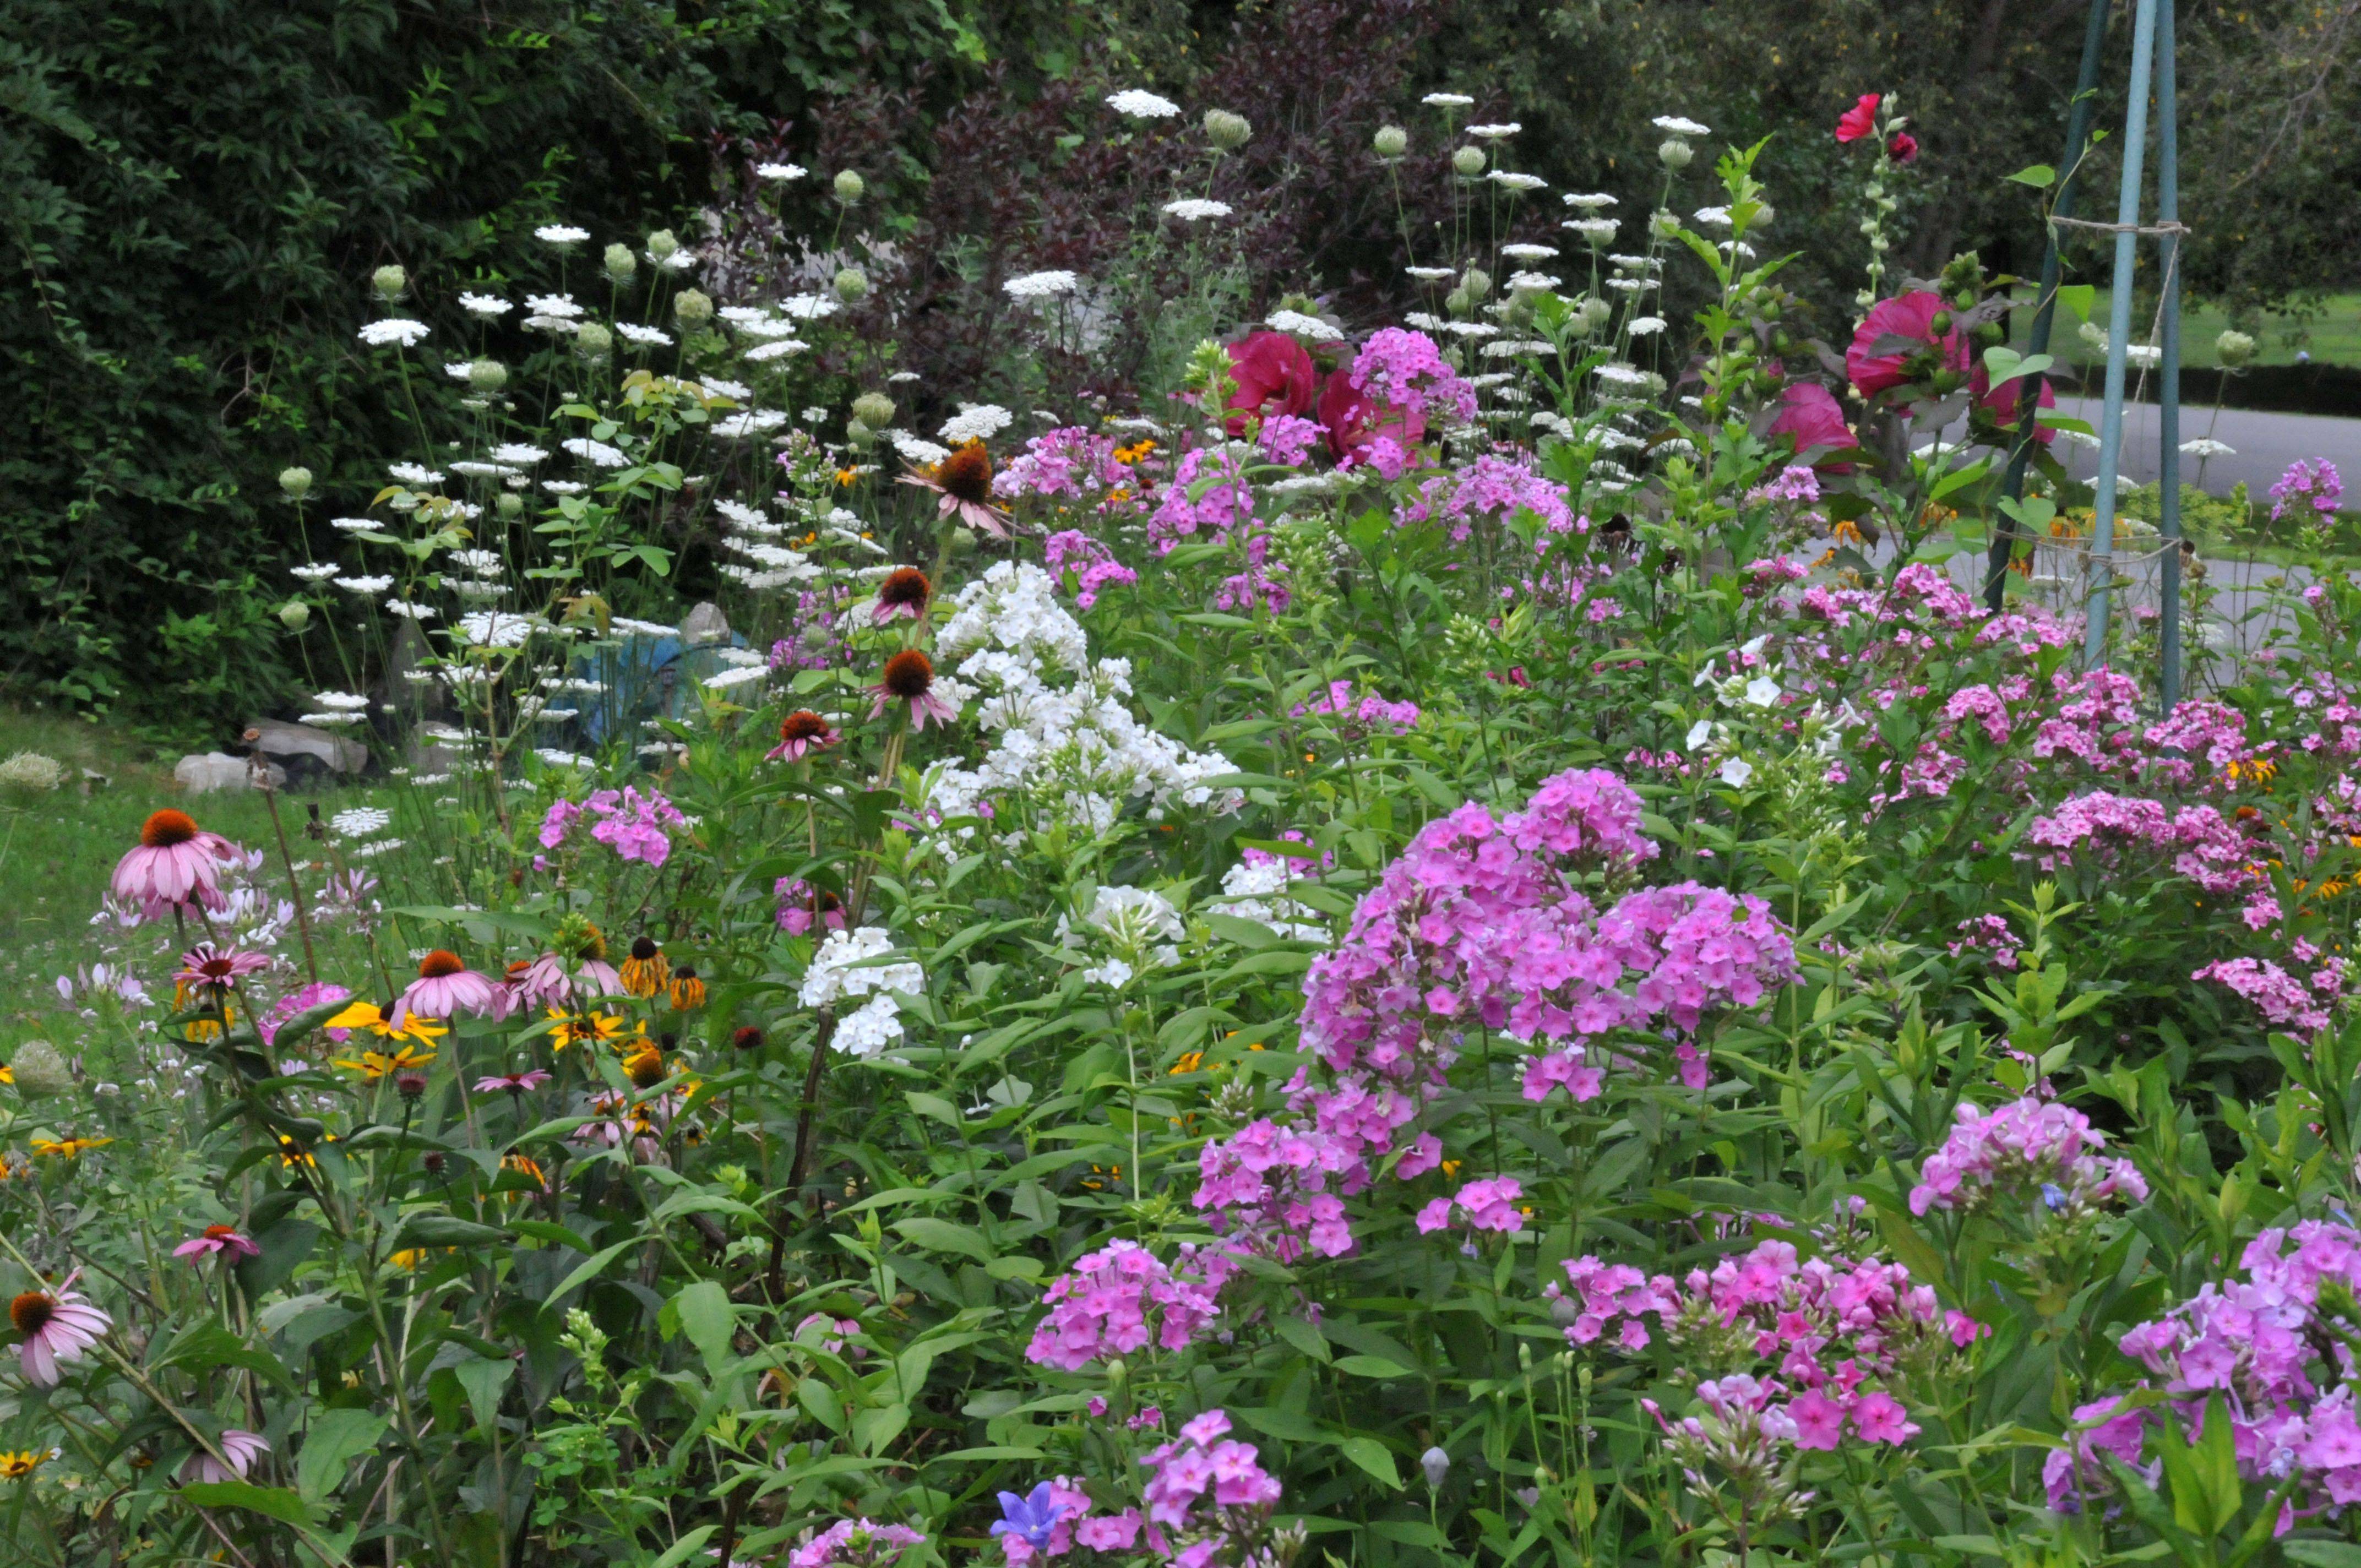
(174, 864)
(209, 973)
(511, 1082)
(801, 733)
(903, 594)
(240, 1448)
(446, 986)
(217, 1240)
(910, 677)
(58, 1326)
(963, 480)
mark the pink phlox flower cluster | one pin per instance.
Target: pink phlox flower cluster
(2283, 1363)
(1258, 586)
(2284, 1000)
(1093, 565)
(2075, 1472)
(1208, 1497)
(1268, 1187)
(2029, 1144)
(1073, 1525)
(1399, 366)
(1696, 947)
(1122, 1298)
(1368, 709)
(797, 899)
(2206, 848)
(1068, 461)
(1288, 440)
(1490, 1204)
(2027, 631)
(2198, 727)
(818, 640)
(1208, 494)
(1987, 707)
(630, 823)
(1988, 935)
(854, 1544)
(2096, 720)
(2309, 483)
(1490, 486)
(1796, 482)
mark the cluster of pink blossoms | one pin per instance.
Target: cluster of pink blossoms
(1208, 1495)
(1122, 1298)
(1208, 494)
(1486, 1205)
(2283, 1361)
(1369, 709)
(2284, 1000)
(1491, 486)
(1481, 924)
(2309, 485)
(2029, 1146)
(1830, 1336)
(1407, 369)
(1093, 566)
(1068, 461)
(630, 823)
(2205, 847)
(854, 1544)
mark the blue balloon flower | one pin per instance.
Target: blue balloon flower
(1030, 1518)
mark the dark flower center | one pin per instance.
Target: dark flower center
(682, 971)
(643, 948)
(966, 474)
(909, 674)
(167, 828)
(803, 724)
(31, 1311)
(438, 963)
(905, 585)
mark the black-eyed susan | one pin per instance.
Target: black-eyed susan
(16, 1465)
(399, 1026)
(67, 1148)
(643, 970)
(586, 1028)
(374, 1065)
(688, 992)
(645, 1068)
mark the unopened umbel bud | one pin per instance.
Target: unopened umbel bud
(692, 307)
(1391, 141)
(662, 244)
(389, 281)
(848, 186)
(1469, 161)
(1226, 131)
(41, 1072)
(2233, 349)
(593, 341)
(620, 263)
(851, 284)
(295, 483)
(874, 409)
(294, 615)
(1676, 154)
(487, 375)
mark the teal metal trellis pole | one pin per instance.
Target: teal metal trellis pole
(2168, 421)
(2028, 397)
(2100, 569)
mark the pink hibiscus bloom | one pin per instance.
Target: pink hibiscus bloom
(1912, 317)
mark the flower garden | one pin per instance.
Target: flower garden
(1447, 939)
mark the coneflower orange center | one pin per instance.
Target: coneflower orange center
(903, 584)
(31, 1311)
(220, 1233)
(909, 674)
(803, 724)
(966, 474)
(438, 963)
(167, 828)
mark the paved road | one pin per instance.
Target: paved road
(2266, 444)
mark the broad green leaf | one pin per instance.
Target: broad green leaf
(273, 1502)
(338, 1438)
(1374, 1457)
(703, 1312)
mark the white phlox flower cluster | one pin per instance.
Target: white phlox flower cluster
(1075, 749)
(847, 966)
(1139, 925)
(1258, 891)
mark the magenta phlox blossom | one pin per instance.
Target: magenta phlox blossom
(854, 1544)
(626, 821)
(1485, 1205)
(1401, 367)
(2284, 1000)
(1093, 566)
(1068, 461)
(1209, 1497)
(1369, 709)
(1122, 1299)
(2031, 1147)
(1490, 486)
(2310, 484)
(1208, 494)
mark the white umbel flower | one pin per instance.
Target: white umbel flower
(975, 422)
(1142, 105)
(395, 330)
(596, 452)
(779, 173)
(1675, 126)
(1190, 209)
(1447, 101)
(560, 235)
(1302, 325)
(1040, 285)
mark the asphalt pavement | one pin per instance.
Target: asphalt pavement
(2265, 445)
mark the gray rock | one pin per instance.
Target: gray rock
(705, 624)
(277, 737)
(203, 773)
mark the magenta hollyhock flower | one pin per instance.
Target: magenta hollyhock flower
(1901, 148)
(217, 1240)
(511, 1082)
(240, 1448)
(1274, 376)
(1811, 414)
(1861, 120)
(910, 677)
(57, 1326)
(2002, 401)
(1912, 317)
(176, 863)
(444, 988)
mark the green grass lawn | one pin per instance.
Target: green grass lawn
(58, 848)
(2332, 333)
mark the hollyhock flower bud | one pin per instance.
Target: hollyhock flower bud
(874, 409)
(488, 375)
(389, 281)
(662, 244)
(294, 615)
(620, 263)
(1676, 154)
(848, 186)
(1391, 141)
(851, 284)
(593, 341)
(692, 307)
(1468, 161)
(1226, 131)
(295, 483)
